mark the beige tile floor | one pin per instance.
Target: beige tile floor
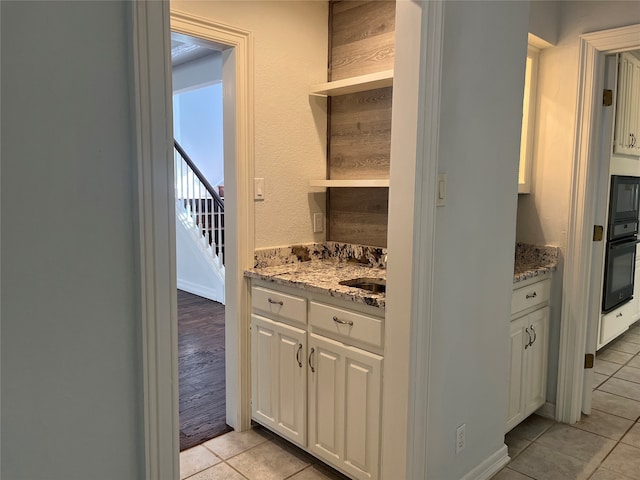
(602, 446)
(253, 455)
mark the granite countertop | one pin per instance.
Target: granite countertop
(533, 261)
(324, 276)
(319, 268)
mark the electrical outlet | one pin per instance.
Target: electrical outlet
(318, 223)
(460, 438)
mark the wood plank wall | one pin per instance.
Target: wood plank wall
(362, 40)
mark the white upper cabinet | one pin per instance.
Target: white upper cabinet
(528, 120)
(627, 128)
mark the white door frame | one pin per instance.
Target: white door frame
(151, 21)
(576, 283)
(237, 73)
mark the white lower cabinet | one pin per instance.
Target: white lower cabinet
(529, 349)
(311, 385)
(279, 380)
(344, 406)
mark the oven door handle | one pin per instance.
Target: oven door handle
(625, 244)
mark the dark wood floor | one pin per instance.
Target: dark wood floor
(200, 369)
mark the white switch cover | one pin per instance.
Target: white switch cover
(318, 222)
(441, 190)
(258, 188)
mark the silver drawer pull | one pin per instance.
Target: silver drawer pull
(273, 302)
(343, 322)
(532, 295)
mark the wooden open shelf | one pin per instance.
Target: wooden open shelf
(361, 83)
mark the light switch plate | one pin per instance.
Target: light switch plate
(441, 190)
(318, 222)
(258, 188)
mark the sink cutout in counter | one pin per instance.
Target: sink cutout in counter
(374, 285)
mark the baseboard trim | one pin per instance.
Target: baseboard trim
(200, 290)
(548, 410)
(490, 466)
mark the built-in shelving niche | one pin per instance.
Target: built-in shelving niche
(361, 54)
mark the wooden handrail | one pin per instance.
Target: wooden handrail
(216, 198)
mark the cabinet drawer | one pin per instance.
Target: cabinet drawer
(617, 321)
(530, 296)
(282, 305)
(346, 323)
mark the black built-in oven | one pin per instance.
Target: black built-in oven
(620, 258)
(623, 207)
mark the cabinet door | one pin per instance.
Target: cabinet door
(535, 385)
(518, 339)
(279, 378)
(627, 127)
(344, 406)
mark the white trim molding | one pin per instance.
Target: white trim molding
(156, 217)
(414, 153)
(576, 281)
(490, 466)
(237, 49)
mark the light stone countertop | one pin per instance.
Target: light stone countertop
(324, 276)
(533, 261)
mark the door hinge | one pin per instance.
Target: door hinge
(598, 232)
(607, 97)
(588, 360)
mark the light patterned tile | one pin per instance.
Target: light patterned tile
(621, 387)
(633, 436)
(631, 374)
(516, 442)
(615, 356)
(631, 337)
(543, 463)
(602, 474)
(532, 427)
(634, 362)
(318, 472)
(508, 474)
(269, 461)
(627, 347)
(576, 443)
(604, 367)
(616, 405)
(195, 460)
(599, 379)
(222, 471)
(601, 423)
(624, 459)
(233, 443)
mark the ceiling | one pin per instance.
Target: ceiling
(182, 52)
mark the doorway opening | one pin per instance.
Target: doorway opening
(200, 251)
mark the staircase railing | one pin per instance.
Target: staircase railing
(199, 203)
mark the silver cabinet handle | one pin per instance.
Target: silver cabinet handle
(274, 302)
(310, 364)
(343, 322)
(535, 335)
(532, 295)
(528, 344)
(298, 355)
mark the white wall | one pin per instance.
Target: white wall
(71, 361)
(197, 73)
(290, 45)
(195, 268)
(543, 216)
(484, 54)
